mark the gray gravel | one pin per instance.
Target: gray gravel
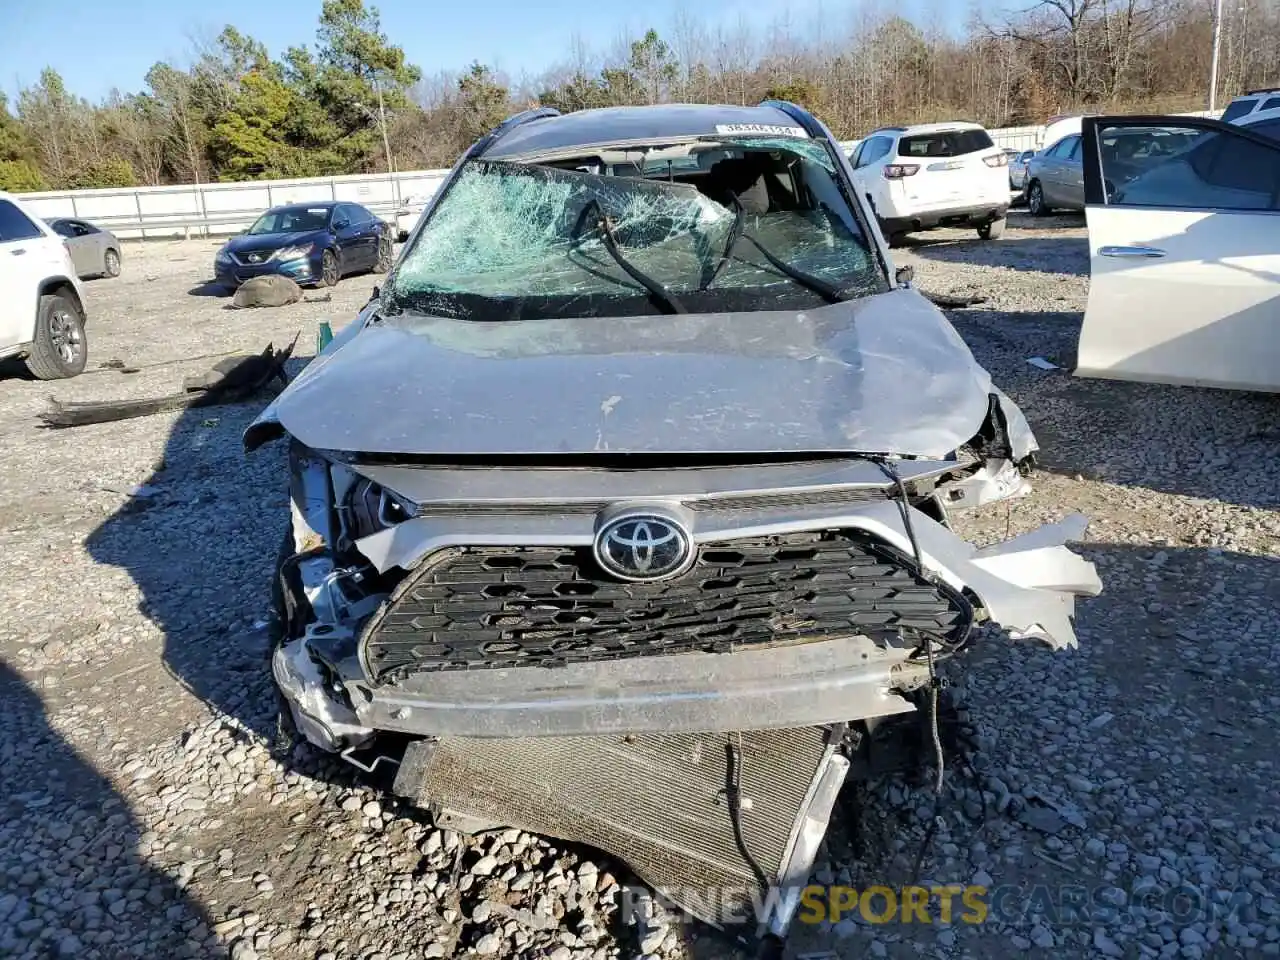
(144, 814)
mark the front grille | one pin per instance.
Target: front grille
(656, 801)
(502, 607)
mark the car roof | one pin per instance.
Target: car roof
(303, 205)
(945, 127)
(679, 121)
(1249, 119)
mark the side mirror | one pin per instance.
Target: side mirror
(341, 224)
(904, 276)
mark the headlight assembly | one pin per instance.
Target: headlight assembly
(294, 253)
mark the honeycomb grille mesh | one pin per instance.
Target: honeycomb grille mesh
(504, 607)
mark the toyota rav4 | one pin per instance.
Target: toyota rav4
(620, 513)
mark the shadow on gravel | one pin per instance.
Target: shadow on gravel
(11, 369)
(199, 539)
(209, 289)
(1068, 256)
(80, 888)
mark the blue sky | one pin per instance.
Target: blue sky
(98, 45)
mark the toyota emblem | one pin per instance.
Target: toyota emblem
(643, 546)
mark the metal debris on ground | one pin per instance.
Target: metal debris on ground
(231, 380)
(948, 301)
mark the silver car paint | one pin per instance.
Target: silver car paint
(88, 252)
(884, 374)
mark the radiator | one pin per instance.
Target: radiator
(660, 803)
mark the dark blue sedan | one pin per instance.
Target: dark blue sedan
(314, 243)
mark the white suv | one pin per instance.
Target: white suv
(933, 175)
(41, 301)
(1254, 101)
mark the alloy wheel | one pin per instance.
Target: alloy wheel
(67, 336)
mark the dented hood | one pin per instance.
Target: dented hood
(882, 374)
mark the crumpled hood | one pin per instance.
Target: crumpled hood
(882, 374)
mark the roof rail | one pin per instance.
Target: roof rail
(515, 120)
(808, 122)
(1252, 93)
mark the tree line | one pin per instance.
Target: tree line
(234, 112)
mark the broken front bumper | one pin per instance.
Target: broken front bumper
(1027, 585)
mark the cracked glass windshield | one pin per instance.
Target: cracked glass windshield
(714, 225)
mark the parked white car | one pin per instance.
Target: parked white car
(1184, 256)
(42, 317)
(1262, 121)
(1247, 104)
(934, 175)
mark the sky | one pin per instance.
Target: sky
(98, 45)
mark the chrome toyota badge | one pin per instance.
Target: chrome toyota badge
(643, 546)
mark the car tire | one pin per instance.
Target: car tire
(1035, 200)
(330, 269)
(386, 254)
(992, 229)
(111, 263)
(60, 349)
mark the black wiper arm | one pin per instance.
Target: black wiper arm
(659, 292)
(735, 233)
(828, 291)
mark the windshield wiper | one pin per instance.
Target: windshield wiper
(658, 291)
(735, 232)
(828, 291)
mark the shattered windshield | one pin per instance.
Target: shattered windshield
(722, 225)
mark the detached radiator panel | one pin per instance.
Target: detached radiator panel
(658, 802)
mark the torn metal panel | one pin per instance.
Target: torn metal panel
(996, 480)
(317, 713)
(682, 832)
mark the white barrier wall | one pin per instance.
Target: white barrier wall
(225, 208)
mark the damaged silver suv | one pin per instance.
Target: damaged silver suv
(619, 514)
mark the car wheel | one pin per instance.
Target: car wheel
(1035, 200)
(386, 254)
(60, 349)
(111, 264)
(329, 272)
(992, 229)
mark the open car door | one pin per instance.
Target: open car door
(1184, 251)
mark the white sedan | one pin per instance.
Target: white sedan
(1184, 257)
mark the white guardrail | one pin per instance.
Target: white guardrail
(210, 209)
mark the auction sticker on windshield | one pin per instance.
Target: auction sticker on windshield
(771, 129)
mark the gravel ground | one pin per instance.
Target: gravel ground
(143, 814)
